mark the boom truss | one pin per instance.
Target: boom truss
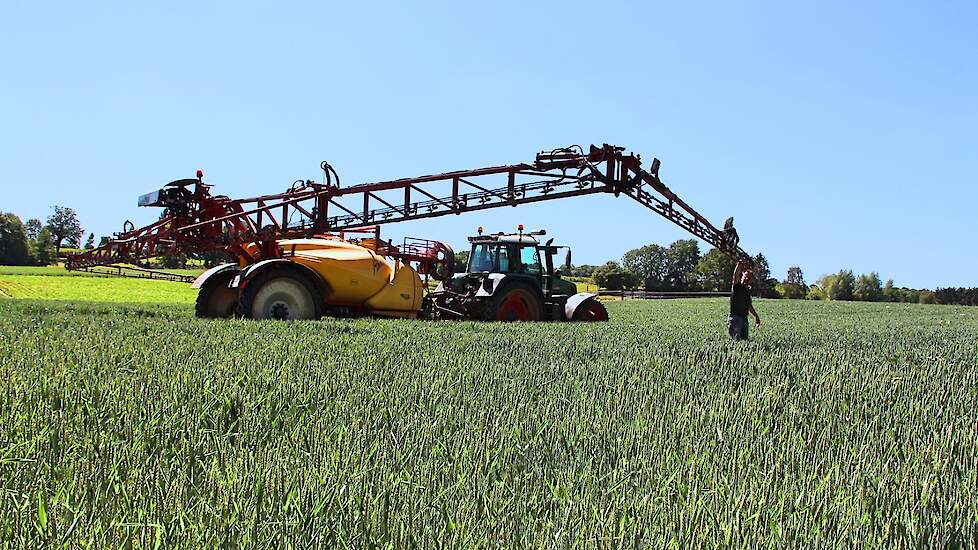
(195, 221)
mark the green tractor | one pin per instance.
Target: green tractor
(512, 277)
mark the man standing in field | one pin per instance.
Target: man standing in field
(740, 302)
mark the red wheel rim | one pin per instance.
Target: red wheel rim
(513, 308)
(592, 311)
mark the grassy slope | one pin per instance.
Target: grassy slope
(96, 289)
(839, 423)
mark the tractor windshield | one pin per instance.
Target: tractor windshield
(482, 259)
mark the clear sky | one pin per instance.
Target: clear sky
(839, 134)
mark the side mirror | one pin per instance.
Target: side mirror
(567, 260)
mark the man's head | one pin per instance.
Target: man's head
(746, 277)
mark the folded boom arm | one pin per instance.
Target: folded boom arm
(195, 221)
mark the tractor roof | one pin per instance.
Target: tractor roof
(518, 238)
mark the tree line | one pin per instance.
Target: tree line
(36, 243)
(681, 268)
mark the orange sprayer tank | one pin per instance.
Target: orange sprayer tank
(357, 276)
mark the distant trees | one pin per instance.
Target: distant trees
(868, 288)
(44, 249)
(33, 228)
(613, 277)
(584, 270)
(714, 272)
(839, 286)
(90, 241)
(794, 287)
(64, 226)
(14, 248)
(764, 285)
(683, 255)
(959, 296)
(650, 264)
(461, 261)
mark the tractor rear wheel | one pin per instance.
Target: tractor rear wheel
(515, 302)
(216, 299)
(591, 310)
(282, 295)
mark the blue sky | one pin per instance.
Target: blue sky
(838, 135)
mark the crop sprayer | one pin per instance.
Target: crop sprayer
(316, 249)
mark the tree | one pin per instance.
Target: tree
(44, 250)
(90, 241)
(889, 293)
(461, 261)
(650, 264)
(13, 241)
(613, 277)
(33, 228)
(794, 286)
(816, 293)
(584, 270)
(103, 241)
(764, 284)
(683, 255)
(714, 272)
(839, 286)
(868, 288)
(65, 227)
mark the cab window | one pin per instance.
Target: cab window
(530, 258)
(482, 258)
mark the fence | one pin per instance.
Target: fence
(655, 295)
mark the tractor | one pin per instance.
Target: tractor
(512, 277)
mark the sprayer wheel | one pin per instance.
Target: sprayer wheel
(281, 295)
(216, 299)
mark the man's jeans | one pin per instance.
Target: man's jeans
(737, 326)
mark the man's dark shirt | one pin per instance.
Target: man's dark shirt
(740, 300)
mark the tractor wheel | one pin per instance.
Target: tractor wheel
(591, 310)
(517, 302)
(283, 295)
(216, 299)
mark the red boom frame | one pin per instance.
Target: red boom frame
(199, 222)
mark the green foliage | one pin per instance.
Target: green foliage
(43, 248)
(90, 241)
(461, 261)
(33, 228)
(650, 264)
(64, 225)
(714, 271)
(839, 286)
(839, 425)
(14, 248)
(868, 288)
(794, 286)
(683, 256)
(815, 292)
(613, 277)
(583, 270)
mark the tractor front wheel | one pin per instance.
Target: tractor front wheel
(281, 295)
(591, 310)
(216, 299)
(516, 302)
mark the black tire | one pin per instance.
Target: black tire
(216, 299)
(515, 302)
(281, 294)
(591, 310)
